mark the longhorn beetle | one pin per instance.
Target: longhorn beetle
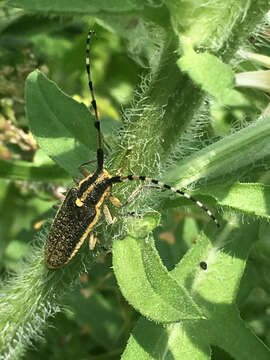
(82, 205)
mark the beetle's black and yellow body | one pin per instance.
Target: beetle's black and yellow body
(76, 218)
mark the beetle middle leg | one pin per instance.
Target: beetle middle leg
(116, 202)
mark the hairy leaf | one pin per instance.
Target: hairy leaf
(139, 270)
(233, 154)
(214, 289)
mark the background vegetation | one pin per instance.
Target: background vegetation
(164, 76)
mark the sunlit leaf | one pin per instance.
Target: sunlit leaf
(64, 128)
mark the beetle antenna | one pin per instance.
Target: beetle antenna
(100, 155)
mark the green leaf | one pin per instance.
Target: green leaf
(215, 291)
(139, 270)
(22, 170)
(208, 71)
(217, 79)
(223, 252)
(150, 341)
(77, 7)
(232, 154)
(246, 197)
(63, 128)
(213, 76)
